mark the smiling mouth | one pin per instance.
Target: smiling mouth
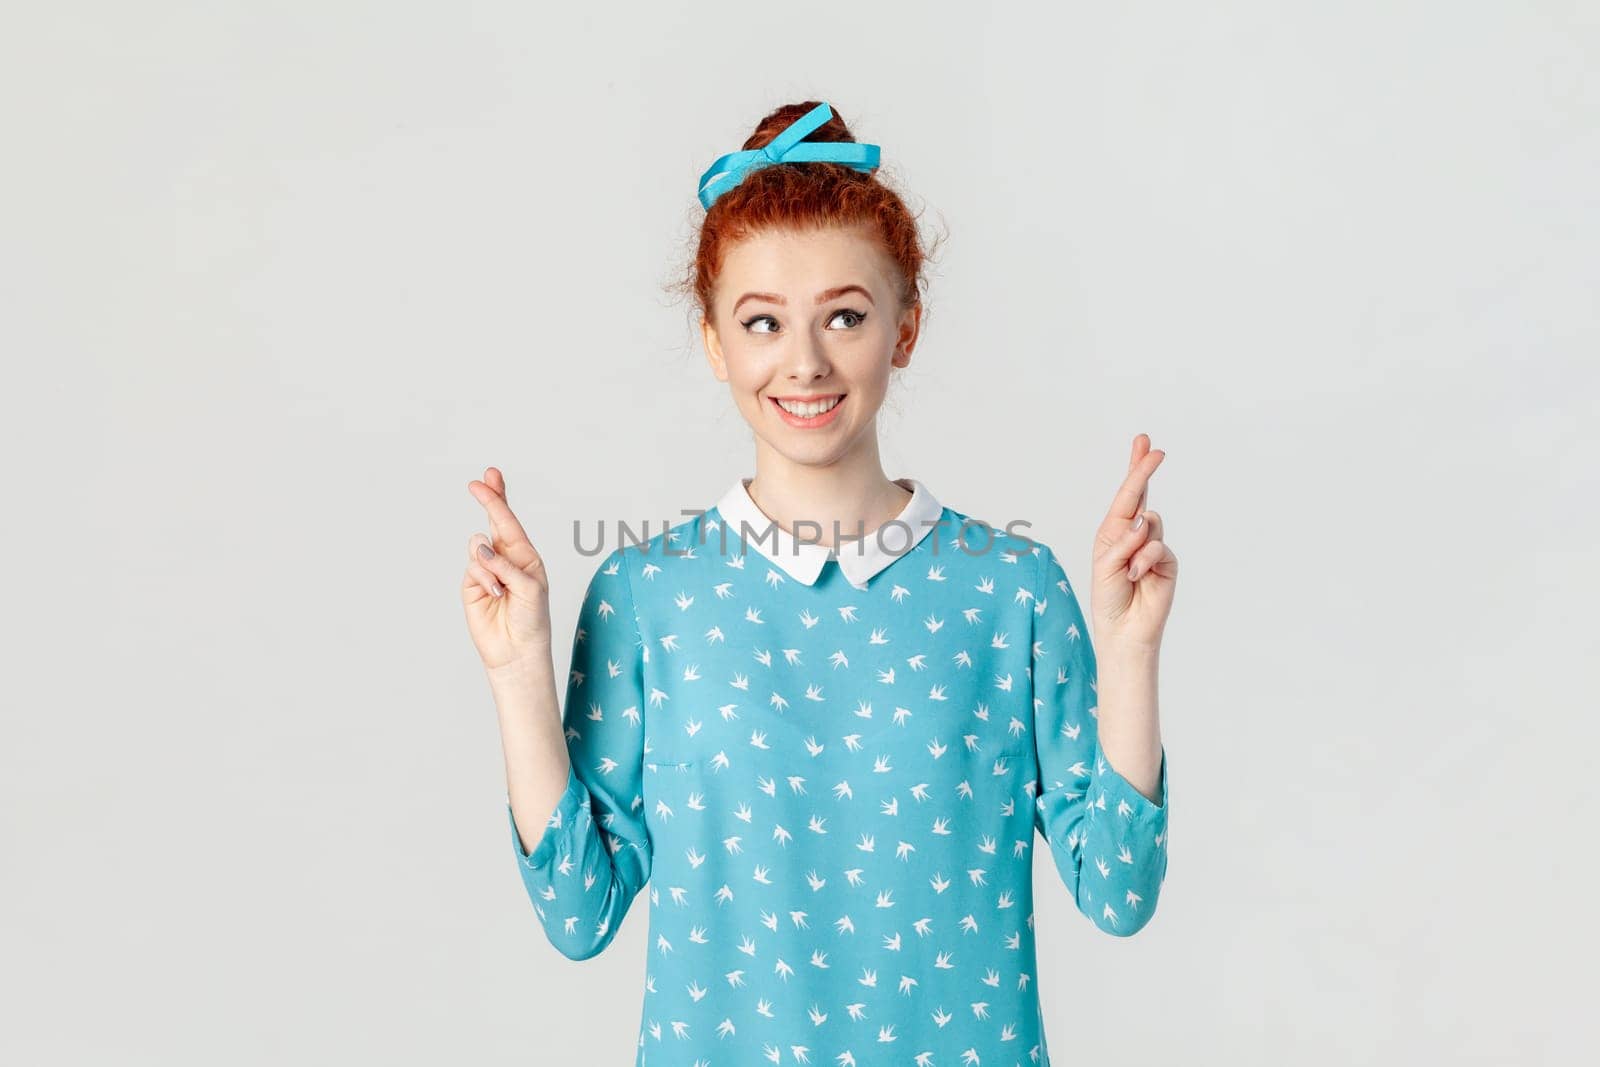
(808, 414)
(806, 409)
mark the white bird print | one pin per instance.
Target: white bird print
(669, 643)
(764, 657)
(683, 600)
(839, 659)
(809, 620)
(980, 1009)
(868, 977)
(753, 614)
(937, 693)
(649, 570)
(890, 806)
(818, 1016)
(814, 693)
(918, 662)
(792, 655)
(985, 585)
(991, 977)
(819, 959)
(899, 593)
(886, 1033)
(863, 710)
(940, 1016)
(973, 615)
(886, 677)
(723, 590)
(922, 926)
(777, 700)
(936, 748)
(943, 962)
(774, 579)
(813, 746)
(610, 569)
(891, 943)
(691, 673)
(847, 613)
(933, 623)
(936, 574)
(815, 826)
(740, 681)
(714, 636)
(879, 636)
(1023, 596)
(900, 716)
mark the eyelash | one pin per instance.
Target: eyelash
(861, 316)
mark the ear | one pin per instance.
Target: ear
(906, 340)
(713, 343)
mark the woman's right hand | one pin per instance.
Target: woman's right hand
(507, 593)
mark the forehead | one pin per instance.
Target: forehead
(804, 262)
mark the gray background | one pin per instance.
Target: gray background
(278, 280)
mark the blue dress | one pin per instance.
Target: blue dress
(830, 768)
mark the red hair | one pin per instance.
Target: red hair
(802, 196)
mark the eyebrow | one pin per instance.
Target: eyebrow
(822, 297)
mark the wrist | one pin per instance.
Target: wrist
(527, 672)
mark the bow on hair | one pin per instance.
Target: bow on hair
(788, 147)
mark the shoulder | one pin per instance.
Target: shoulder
(990, 544)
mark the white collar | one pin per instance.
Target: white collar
(860, 558)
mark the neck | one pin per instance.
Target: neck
(851, 496)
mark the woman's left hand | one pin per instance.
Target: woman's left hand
(1134, 570)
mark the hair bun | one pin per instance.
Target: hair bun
(834, 130)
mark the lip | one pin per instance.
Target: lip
(816, 421)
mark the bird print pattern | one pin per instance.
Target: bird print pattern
(833, 795)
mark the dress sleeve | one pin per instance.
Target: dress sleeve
(594, 855)
(1107, 838)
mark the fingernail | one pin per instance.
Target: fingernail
(1133, 574)
(1139, 521)
(485, 551)
(495, 589)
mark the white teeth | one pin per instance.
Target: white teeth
(811, 410)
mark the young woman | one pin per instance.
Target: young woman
(826, 717)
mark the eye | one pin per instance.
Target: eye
(750, 323)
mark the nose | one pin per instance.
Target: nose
(807, 358)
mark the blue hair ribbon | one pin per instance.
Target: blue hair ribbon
(729, 170)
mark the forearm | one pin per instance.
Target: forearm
(1129, 721)
(531, 737)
